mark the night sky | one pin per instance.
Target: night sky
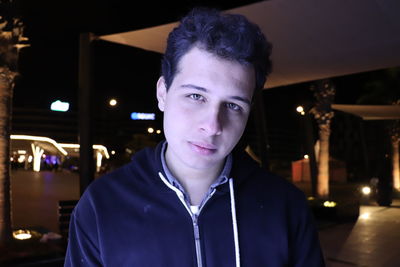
(49, 68)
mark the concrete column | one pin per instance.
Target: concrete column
(395, 165)
(37, 157)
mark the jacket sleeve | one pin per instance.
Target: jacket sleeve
(83, 247)
(305, 245)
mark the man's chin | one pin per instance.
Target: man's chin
(206, 163)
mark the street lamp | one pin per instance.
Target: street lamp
(300, 110)
(366, 190)
(22, 234)
(59, 106)
(113, 102)
(150, 130)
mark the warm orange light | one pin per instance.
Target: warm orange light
(366, 190)
(22, 234)
(113, 102)
(365, 216)
(77, 146)
(300, 109)
(39, 138)
(330, 204)
(21, 158)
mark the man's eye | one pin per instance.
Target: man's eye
(233, 106)
(196, 97)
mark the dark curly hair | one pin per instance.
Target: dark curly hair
(229, 36)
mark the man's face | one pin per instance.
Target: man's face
(205, 109)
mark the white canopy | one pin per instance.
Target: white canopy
(371, 112)
(312, 39)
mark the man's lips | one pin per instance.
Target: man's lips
(203, 148)
(204, 145)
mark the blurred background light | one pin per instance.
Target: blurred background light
(59, 106)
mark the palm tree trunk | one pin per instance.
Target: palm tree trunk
(6, 89)
(323, 162)
(396, 169)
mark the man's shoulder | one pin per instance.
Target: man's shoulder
(142, 167)
(249, 172)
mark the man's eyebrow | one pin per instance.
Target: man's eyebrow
(194, 87)
(239, 98)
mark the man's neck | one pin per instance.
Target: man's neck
(196, 182)
(196, 187)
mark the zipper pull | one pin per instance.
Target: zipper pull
(196, 228)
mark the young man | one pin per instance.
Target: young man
(191, 201)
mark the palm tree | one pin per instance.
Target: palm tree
(6, 85)
(394, 131)
(324, 93)
(10, 35)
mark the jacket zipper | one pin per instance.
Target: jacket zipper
(196, 225)
(193, 216)
(196, 229)
(197, 240)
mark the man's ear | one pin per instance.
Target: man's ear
(161, 93)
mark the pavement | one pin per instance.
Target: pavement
(35, 197)
(373, 240)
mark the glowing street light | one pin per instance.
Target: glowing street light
(365, 216)
(366, 190)
(158, 131)
(150, 130)
(330, 204)
(59, 106)
(300, 110)
(22, 234)
(113, 102)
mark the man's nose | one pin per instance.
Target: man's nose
(212, 122)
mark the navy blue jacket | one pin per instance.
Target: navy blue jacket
(129, 217)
